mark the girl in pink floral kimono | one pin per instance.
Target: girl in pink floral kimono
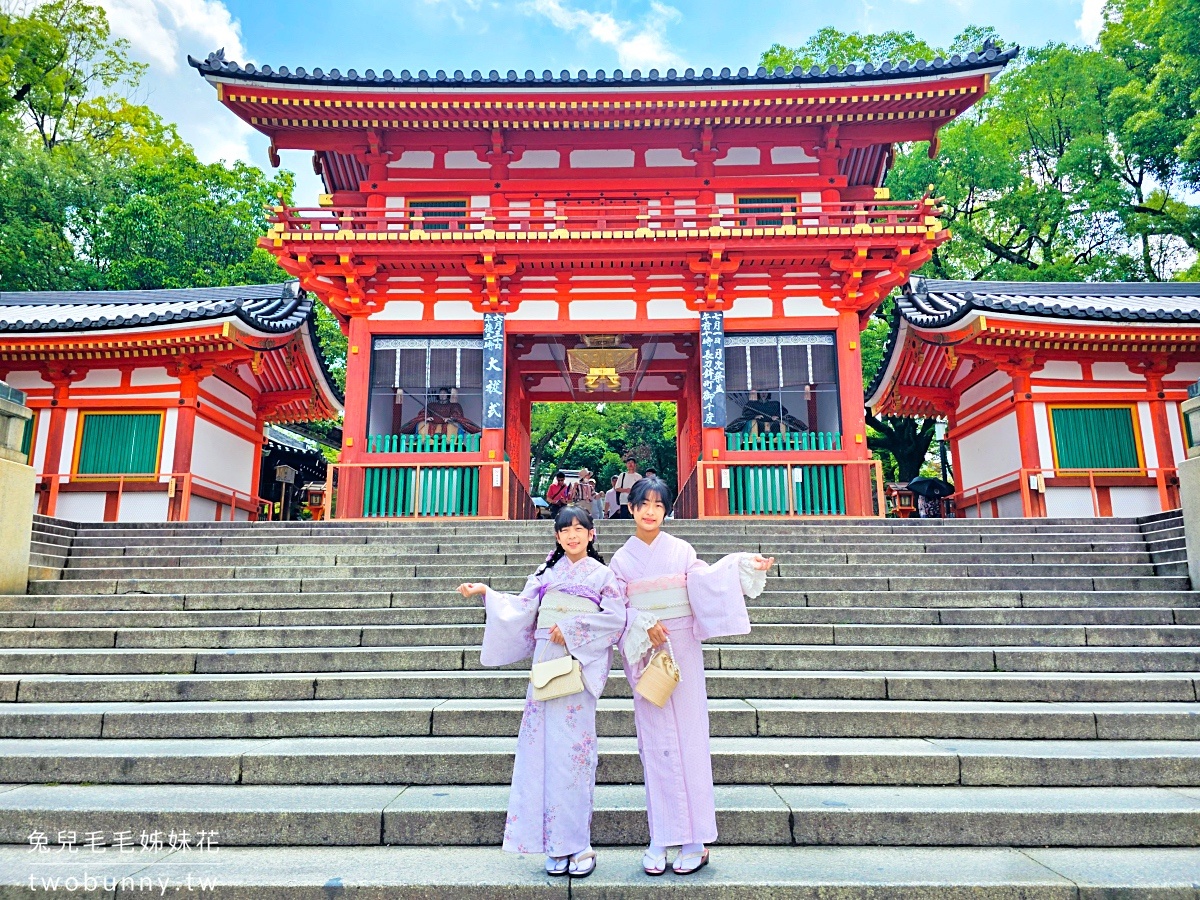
(671, 593)
(571, 604)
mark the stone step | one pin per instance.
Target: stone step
(751, 656)
(437, 815)
(421, 573)
(465, 873)
(296, 584)
(489, 761)
(916, 684)
(474, 615)
(200, 600)
(502, 718)
(439, 635)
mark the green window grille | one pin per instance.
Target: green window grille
(765, 211)
(763, 491)
(441, 215)
(27, 437)
(423, 443)
(792, 440)
(391, 492)
(122, 444)
(1095, 438)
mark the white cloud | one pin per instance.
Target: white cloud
(154, 28)
(639, 45)
(1091, 20)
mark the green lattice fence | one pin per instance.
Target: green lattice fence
(391, 491)
(423, 443)
(792, 440)
(764, 490)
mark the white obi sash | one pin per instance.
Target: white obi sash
(558, 606)
(655, 599)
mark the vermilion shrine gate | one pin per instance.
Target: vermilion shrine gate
(713, 239)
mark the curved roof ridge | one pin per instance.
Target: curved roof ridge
(987, 58)
(930, 303)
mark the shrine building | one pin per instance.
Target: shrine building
(713, 239)
(1063, 399)
(151, 405)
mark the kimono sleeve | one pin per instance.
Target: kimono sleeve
(508, 633)
(590, 636)
(716, 594)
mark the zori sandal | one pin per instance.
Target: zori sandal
(557, 865)
(692, 862)
(654, 865)
(582, 864)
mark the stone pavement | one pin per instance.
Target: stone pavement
(923, 709)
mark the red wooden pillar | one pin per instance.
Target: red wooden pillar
(854, 420)
(54, 437)
(354, 427)
(1167, 496)
(1031, 461)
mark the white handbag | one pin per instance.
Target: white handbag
(556, 678)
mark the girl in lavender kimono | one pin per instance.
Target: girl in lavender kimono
(672, 593)
(571, 604)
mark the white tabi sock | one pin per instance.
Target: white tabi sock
(692, 848)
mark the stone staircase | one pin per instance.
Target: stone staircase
(923, 709)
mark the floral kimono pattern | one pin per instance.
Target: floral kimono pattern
(554, 776)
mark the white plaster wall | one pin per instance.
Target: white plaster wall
(1188, 372)
(143, 508)
(100, 378)
(985, 388)
(667, 156)
(535, 310)
(602, 159)
(230, 395)
(201, 509)
(241, 515)
(68, 444)
(1176, 429)
(454, 310)
(1114, 371)
(990, 452)
(464, 159)
(670, 309)
(1009, 506)
(222, 457)
(616, 310)
(25, 381)
(143, 377)
(1061, 368)
(170, 432)
(806, 306)
(1135, 501)
(749, 307)
(1150, 447)
(780, 155)
(39, 441)
(537, 159)
(1069, 501)
(740, 156)
(80, 507)
(1041, 427)
(400, 310)
(413, 159)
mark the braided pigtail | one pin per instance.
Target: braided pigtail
(555, 555)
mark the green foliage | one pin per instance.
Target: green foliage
(333, 344)
(573, 435)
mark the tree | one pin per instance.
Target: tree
(599, 436)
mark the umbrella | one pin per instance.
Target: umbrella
(933, 488)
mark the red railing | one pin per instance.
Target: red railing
(1033, 483)
(615, 219)
(179, 487)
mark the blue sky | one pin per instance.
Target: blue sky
(516, 34)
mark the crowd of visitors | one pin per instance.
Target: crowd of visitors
(585, 494)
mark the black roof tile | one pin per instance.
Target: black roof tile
(273, 308)
(988, 58)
